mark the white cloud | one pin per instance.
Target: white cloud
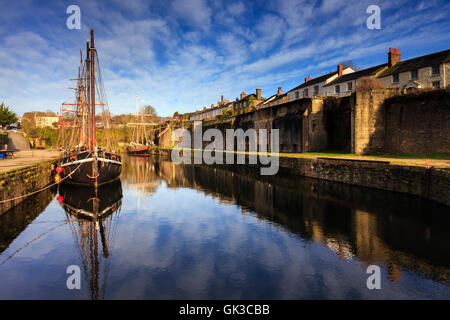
(184, 55)
(194, 12)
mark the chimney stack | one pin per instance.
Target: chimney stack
(258, 93)
(340, 69)
(280, 91)
(243, 95)
(308, 78)
(212, 105)
(394, 56)
(221, 98)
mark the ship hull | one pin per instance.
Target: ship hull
(139, 152)
(80, 169)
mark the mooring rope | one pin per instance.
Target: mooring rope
(46, 187)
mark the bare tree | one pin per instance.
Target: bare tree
(351, 64)
(149, 111)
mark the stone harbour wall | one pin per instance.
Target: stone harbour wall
(430, 183)
(16, 183)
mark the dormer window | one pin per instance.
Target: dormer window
(435, 70)
(415, 74)
(395, 78)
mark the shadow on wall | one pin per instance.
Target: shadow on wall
(338, 123)
(411, 123)
(418, 123)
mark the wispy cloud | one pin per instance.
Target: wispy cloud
(182, 55)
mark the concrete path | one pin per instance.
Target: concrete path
(28, 158)
(17, 142)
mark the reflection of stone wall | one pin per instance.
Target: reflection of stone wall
(373, 225)
(13, 222)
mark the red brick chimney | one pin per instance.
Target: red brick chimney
(280, 91)
(308, 78)
(243, 95)
(258, 93)
(340, 69)
(394, 57)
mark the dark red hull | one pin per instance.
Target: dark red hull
(142, 152)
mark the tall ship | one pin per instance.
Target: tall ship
(141, 144)
(84, 161)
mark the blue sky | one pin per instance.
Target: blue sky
(182, 55)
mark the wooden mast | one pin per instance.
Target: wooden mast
(88, 94)
(94, 143)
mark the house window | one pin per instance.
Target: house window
(316, 90)
(305, 93)
(349, 86)
(337, 89)
(415, 74)
(435, 70)
(395, 78)
(297, 95)
(436, 84)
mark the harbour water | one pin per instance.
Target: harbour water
(169, 231)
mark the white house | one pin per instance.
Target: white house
(345, 85)
(432, 70)
(315, 87)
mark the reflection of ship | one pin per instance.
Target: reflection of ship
(140, 174)
(92, 213)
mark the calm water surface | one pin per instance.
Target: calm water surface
(197, 232)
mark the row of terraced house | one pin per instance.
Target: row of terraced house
(429, 71)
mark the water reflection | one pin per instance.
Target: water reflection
(203, 232)
(92, 214)
(371, 226)
(14, 221)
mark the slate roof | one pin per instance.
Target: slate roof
(315, 81)
(358, 74)
(419, 62)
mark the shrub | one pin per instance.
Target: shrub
(368, 83)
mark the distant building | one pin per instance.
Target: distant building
(246, 101)
(432, 70)
(346, 84)
(213, 111)
(45, 121)
(276, 99)
(315, 87)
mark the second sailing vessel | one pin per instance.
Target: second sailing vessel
(141, 145)
(85, 163)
